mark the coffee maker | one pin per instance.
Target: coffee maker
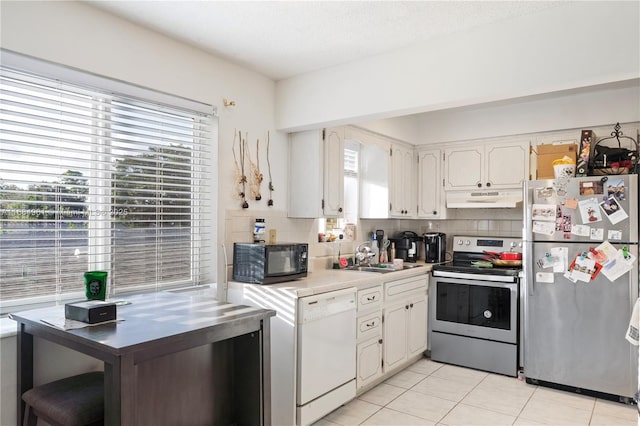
(435, 245)
(407, 245)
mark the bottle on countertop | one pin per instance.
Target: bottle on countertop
(374, 250)
(259, 229)
(383, 252)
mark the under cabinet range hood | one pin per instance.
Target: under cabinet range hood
(484, 199)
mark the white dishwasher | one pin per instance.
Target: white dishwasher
(326, 353)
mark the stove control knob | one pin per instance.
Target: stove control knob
(459, 242)
(487, 314)
(467, 243)
(513, 244)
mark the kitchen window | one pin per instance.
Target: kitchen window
(92, 179)
(350, 211)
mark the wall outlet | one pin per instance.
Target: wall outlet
(272, 236)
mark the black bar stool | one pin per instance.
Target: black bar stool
(73, 401)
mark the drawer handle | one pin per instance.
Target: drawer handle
(371, 324)
(370, 298)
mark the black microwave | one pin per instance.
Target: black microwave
(269, 263)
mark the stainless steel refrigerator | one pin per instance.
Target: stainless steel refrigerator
(581, 269)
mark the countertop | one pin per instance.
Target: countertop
(149, 318)
(325, 280)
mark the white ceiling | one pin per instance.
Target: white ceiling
(281, 39)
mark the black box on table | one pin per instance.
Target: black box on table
(90, 311)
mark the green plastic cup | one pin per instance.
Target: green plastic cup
(95, 285)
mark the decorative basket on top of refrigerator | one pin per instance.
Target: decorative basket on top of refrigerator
(609, 159)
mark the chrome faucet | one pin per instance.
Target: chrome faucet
(364, 254)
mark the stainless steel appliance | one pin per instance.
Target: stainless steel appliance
(576, 304)
(435, 247)
(269, 263)
(407, 245)
(474, 307)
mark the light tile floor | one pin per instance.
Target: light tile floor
(431, 393)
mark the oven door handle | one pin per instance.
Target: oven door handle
(476, 277)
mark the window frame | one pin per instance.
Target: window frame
(72, 76)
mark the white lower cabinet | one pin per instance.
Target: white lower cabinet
(369, 362)
(369, 336)
(417, 327)
(405, 321)
(395, 335)
(392, 330)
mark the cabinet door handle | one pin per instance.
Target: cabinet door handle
(435, 212)
(488, 184)
(339, 209)
(380, 341)
(411, 305)
(479, 185)
(406, 307)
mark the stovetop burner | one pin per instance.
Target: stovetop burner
(470, 252)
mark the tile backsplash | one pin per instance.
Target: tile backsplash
(483, 222)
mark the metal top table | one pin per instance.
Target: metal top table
(167, 340)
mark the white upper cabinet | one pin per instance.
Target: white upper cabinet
(430, 188)
(506, 165)
(316, 173)
(402, 202)
(374, 165)
(488, 165)
(333, 172)
(387, 176)
(464, 167)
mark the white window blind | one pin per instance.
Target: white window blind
(94, 180)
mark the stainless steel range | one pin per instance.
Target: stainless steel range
(474, 306)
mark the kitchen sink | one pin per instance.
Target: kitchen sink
(379, 269)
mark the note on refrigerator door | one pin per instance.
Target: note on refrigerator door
(560, 256)
(589, 210)
(591, 187)
(546, 228)
(580, 230)
(607, 252)
(571, 203)
(583, 269)
(615, 188)
(544, 277)
(619, 265)
(545, 262)
(543, 212)
(597, 234)
(614, 235)
(613, 210)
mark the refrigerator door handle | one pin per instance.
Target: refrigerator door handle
(528, 267)
(633, 287)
